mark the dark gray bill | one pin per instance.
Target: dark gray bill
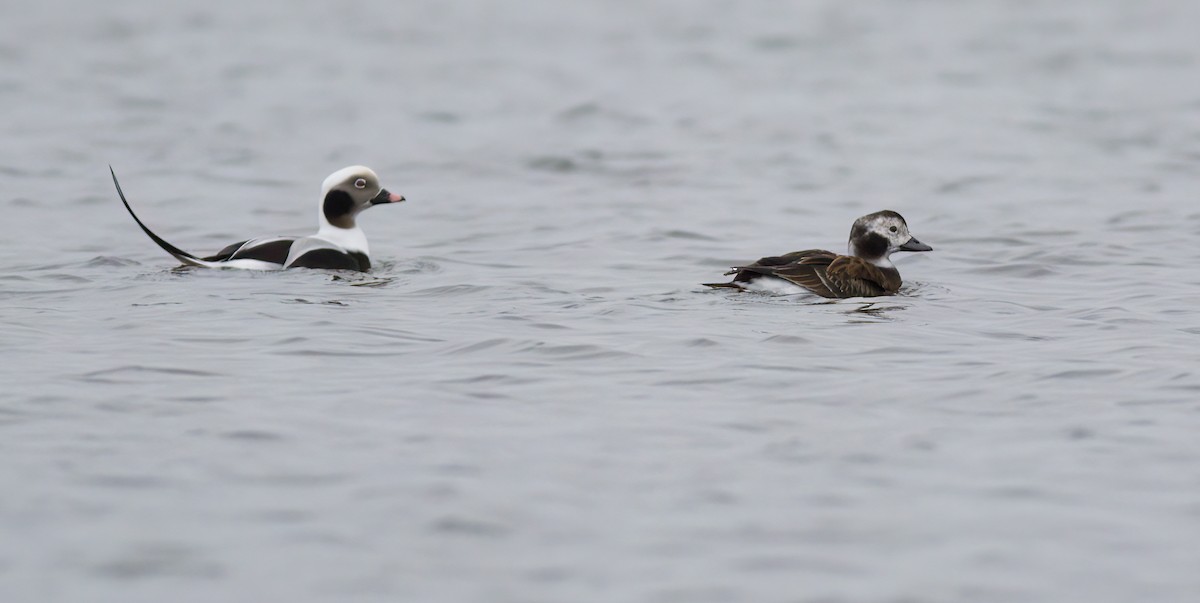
(914, 245)
(385, 197)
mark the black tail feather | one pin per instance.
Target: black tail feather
(736, 283)
(169, 248)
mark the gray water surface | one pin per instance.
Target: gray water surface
(531, 398)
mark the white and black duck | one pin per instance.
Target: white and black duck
(339, 244)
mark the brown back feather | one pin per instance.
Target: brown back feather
(825, 273)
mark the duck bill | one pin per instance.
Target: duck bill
(385, 197)
(914, 245)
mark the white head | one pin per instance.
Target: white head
(875, 237)
(347, 192)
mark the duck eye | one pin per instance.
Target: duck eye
(362, 183)
(893, 229)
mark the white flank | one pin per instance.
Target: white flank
(247, 264)
(777, 286)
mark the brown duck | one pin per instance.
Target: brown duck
(866, 271)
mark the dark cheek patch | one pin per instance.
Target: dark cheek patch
(873, 245)
(339, 209)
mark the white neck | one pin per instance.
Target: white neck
(350, 239)
(883, 262)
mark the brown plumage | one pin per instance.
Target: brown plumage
(866, 272)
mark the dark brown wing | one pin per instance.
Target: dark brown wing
(274, 251)
(225, 253)
(814, 255)
(824, 273)
(807, 269)
(856, 277)
(798, 267)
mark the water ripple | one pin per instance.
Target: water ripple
(136, 373)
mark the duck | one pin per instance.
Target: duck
(338, 244)
(865, 271)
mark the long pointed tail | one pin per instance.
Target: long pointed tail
(734, 284)
(179, 254)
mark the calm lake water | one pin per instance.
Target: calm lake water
(532, 399)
